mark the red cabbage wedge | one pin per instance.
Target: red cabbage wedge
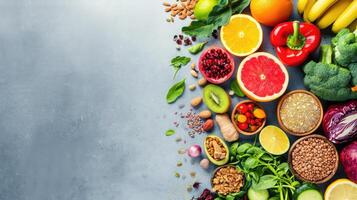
(340, 122)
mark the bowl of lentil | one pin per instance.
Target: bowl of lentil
(248, 117)
(313, 158)
(227, 179)
(299, 112)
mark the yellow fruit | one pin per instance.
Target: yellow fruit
(242, 36)
(274, 140)
(259, 113)
(242, 118)
(332, 13)
(319, 8)
(308, 7)
(346, 18)
(341, 189)
(301, 5)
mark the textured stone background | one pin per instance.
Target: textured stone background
(82, 102)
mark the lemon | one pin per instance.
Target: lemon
(274, 140)
(203, 8)
(341, 189)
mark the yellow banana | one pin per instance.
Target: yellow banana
(332, 13)
(346, 18)
(319, 8)
(301, 5)
(308, 7)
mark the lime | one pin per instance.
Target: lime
(203, 8)
(274, 140)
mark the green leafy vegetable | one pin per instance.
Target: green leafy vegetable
(263, 170)
(219, 16)
(236, 89)
(195, 49)
(170, 132)
(178, 62)
(175, 91)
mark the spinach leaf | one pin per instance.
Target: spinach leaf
(170, 132)
(195, 49)
(175, 91)
(200, 29)
(265, 182)
(236, 89)
(178, 62)
(220, 14)
(242, 5)
(233, 149)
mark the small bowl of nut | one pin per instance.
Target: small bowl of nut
(313, 158)
(248, 117)
(299, 113)
(216, 150)
(227, 179)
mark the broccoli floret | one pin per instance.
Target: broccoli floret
(329, 81)
(345, 47)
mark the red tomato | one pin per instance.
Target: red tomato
(243, 126)
(243, 108)
(250, 107)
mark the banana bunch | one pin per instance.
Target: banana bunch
(338, 13)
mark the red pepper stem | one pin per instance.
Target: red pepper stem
(296, 41)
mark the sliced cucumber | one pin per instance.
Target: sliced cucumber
(308, 191)
(309, 195)
(258, 194)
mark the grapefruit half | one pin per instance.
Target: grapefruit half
(262, 77)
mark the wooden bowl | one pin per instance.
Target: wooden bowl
(282, 99)
(236, 126)
(298, 175)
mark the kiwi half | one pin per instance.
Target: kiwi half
(216, 99)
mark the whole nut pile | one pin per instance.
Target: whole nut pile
(183, 8)
(314, 159)
(227, 180)
(215, 148)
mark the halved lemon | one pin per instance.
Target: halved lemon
(341, 189)
(274, 140)
(242, 36)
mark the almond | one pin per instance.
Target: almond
(202, 82)
(196, 101)
(208, 125)
(194, 73)
(205, 114)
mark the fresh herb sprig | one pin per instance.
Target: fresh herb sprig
(175, 91)
(263, 170)
(219, 16)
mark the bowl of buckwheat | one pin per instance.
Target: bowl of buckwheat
(313, 158)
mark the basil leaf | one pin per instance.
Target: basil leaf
(251, 163)
(195, 49)
(243, 148)
(236, 89)
(178, 62)
(170, 132)
(265, 182)
(199, 28)
(241, 6)
(255, 150)
(233, 148)
(266, 157)
(283, 167)
(175, 91)
(230, 197)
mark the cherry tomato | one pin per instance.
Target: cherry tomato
(243, 108)
(250, 107)
(253, 128)
(248, 115)
(243, 126)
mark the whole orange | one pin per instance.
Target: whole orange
(271, 12)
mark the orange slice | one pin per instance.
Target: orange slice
(242, 36)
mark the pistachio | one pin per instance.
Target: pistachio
(192, 87)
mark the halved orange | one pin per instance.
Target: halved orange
(242, 36)
(341, 189)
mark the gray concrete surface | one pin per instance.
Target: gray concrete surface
(82, 102)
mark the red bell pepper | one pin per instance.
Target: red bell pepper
(294, 41)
